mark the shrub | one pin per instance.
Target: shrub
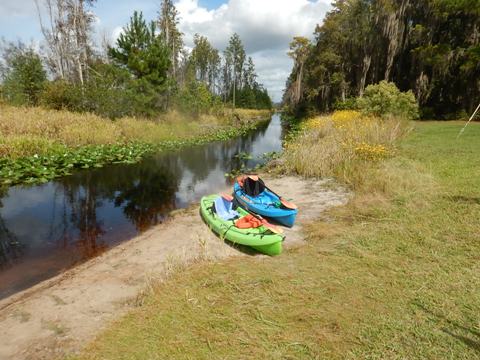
(348, 104)
(109, 92)
(456, 115)
(24, 76)
(195, 99)
(386, 100)
(60, 95)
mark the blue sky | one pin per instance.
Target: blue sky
(265, 26)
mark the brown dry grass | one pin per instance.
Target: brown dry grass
(26, 131)
(342, 145)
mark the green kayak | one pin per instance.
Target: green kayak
(260, 238)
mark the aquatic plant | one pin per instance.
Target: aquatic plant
(243, 170)
(244, 156)
(63, 161)
(28, 131)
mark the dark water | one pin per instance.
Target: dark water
(49, 228)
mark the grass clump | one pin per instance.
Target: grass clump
(341, 144)
(394, 274)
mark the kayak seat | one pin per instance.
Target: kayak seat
(253, 187)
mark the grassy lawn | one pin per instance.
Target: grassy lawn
(393, 275)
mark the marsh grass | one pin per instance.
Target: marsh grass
(391, 275)
(38, 145)
(342, 145)
(25, 131)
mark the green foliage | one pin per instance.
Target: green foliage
(61, 161)
(24, 77)
(40, 169)
(146, 57)
(239, 88)
(59, 95)
(348, 104)
(195, 99)
(255, 97)
(204, 61)
(384, 99)
(428, 46)
(109, 92)
(146, 75)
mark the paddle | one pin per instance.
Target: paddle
(265, 223)
(227, 197)
(286, 203)
(240, 180)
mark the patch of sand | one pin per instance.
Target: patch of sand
(60, 315)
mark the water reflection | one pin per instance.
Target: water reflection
(10, 248)
(67, 221)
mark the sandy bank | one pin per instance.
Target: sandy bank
(60, 315)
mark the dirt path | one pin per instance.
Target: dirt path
(60, 315)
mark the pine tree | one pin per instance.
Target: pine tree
(146, 57)
(205, 61)
(168, 25)
(234, 58)
(249, 74)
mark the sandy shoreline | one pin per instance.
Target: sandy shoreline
(60, 315)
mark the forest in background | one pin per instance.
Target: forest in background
(431, 47)
(147, 71)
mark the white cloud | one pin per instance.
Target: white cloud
(266, 28)
(116, 33)
(273, 67)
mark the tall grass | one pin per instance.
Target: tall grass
(27, 131)
(341, 145)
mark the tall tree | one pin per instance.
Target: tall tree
(249, 76)
(168, 25)
(145, 55)
(214, 62)
(429, 46)
(299, 50)
(141, 51)
(67, 33)
(234, 62)
(205, 60)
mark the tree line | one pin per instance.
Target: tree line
(431, 47)
(148, 70)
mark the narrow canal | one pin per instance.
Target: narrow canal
(47, 229)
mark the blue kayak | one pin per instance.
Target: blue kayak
(265, 203)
